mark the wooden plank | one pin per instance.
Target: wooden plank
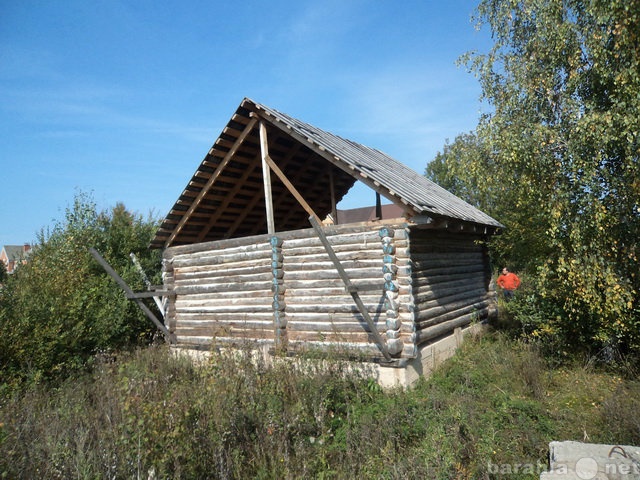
(150, 294)
(210, 182)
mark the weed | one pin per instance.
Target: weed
(152, 414)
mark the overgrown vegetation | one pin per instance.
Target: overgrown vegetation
(61, 308)
(152, 415)
(558, 162)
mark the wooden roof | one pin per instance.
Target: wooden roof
(225, 197)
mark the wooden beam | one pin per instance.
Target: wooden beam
(332, 191)
(266, 177)
(150, 294)
(210, 182)
(350, 287)
(240, 183)
(130, 293)
(294, 191)
(338, 162)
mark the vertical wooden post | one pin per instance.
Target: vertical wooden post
(278, 288)
(266, 175)
(378, 207)
(332, 191)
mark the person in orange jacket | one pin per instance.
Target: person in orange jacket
(509, 282)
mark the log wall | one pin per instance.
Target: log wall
(221, 291)
(283, 290)
(321, 313)
(450, 279)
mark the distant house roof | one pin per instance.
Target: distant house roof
(365, 214)
(12, 255)
(14, 252)
(225, 196)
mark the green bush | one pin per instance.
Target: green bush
(61, 307)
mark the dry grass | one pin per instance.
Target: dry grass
(152, 415)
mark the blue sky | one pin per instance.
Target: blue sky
(122, 99)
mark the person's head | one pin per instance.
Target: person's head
(505, 270)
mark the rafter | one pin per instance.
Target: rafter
(210, 182)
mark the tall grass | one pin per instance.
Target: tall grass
(154, 415)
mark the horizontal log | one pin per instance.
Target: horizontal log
(332, 337)
(150, 294)
(201, 271)
(353, 228)
(321, 256)
(266, 292)
(290, 284)
(329, 318)
(232, 245)
(304, 299)
(425, 292)
(221, 259)
(441, 264)
(444, 316)
(223, 279)
(264, 261)
(445, 328)
(185, 302)
(445, 257)
(226, 317)
(213, 309)
(236, 287)
(226, 331)
(439, 235)
(373, 247)
(332, 308)
(425, 316)
(339, 326)
(457, 241)
(424, 302)
(371, 273)
(420, 278)
(437, 271)
(369, 237)
(249, 324)
(294, 266)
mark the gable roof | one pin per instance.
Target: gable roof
(225, 196)
(14, 252)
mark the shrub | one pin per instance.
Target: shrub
(61, 308)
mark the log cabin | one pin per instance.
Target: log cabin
(247, 257)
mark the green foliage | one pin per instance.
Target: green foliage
(153, 414)
(60, 308)
(3, 273)
(560, 157)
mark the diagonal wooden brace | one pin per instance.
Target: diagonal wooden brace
(130, 293)
(351, 288)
